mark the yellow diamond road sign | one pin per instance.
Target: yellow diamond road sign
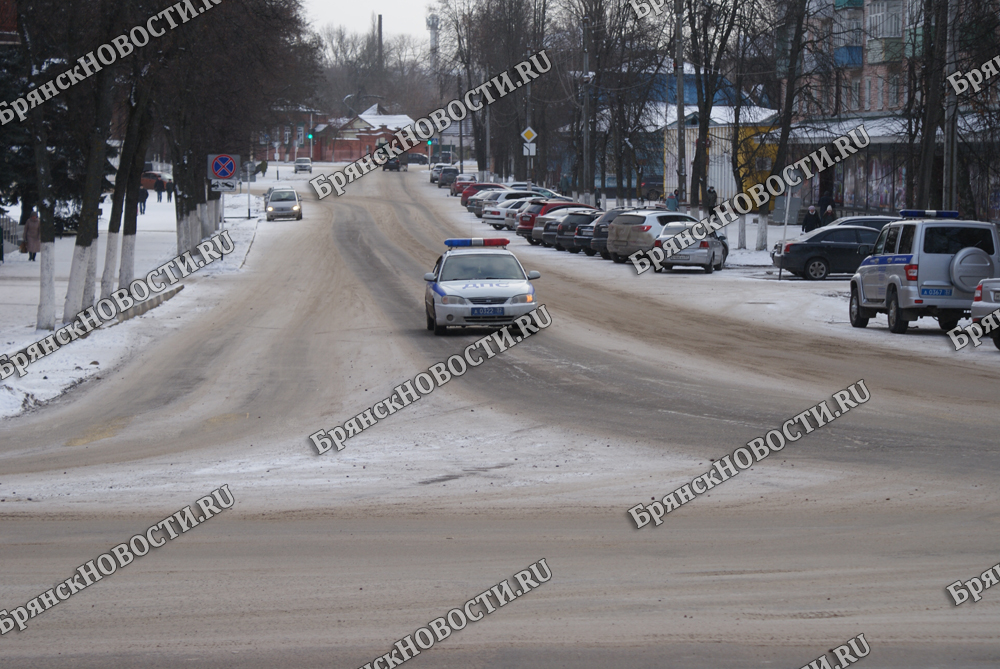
(529, 135)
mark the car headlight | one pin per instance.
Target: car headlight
(522, 299)
(453, 299)
(295, 208)
(270, 208)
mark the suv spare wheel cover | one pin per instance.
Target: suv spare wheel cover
(969, 267)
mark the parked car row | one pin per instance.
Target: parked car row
(543, 217)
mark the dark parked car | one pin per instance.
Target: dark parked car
(599, 241)
(391, 164)
(652, 187)
(873, 222)
(566, 231)
(829, 250)
(416, 159)
(447, 176)
(526, 219)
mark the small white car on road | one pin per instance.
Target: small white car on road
(477, 282)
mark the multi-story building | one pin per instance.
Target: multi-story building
(863, 60)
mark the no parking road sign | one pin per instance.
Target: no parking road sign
(223, 167)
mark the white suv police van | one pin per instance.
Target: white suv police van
(927, 264)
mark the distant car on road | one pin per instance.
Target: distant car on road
(148, 179)
(834, 249)
(284, 203)
(567, 227)
(436, 171)
(460, 182)
(542, 207)
(303, 165)
(477, 282)
(417, 158)
(391, 164)
(474, 188)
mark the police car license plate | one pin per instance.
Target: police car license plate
(487, 311)
(935, 292)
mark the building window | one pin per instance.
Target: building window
(300, 136)
(894, 91)
(885, 19)
(868, 93)
(856, 94)
(878, 88)
(288, 135)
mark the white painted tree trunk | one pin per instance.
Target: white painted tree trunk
(47, 291)
(127, 272)
(90, 284)
(206, 221)
(77, 277)
(762, 222)
(110, 262)
(182, 234)
(741, 242)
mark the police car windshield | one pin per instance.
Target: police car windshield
(481, 266)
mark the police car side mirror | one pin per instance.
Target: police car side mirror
(534, 274)
(430, 276)
(865, 250)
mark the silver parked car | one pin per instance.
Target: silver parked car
(708, 254)
(985, 301)
(637, 230)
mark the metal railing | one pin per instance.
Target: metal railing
(9, 226)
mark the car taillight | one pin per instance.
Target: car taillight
(978, 295)
(644, 228)
(788, 248)
(559, 229)
(704, 245)
(657, 244)
(911, 272)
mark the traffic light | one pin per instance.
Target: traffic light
(429, 142)
(310, 135)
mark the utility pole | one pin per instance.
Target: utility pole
(679, 77)
(527, 121)
(489, 161)
(588, 180)
(949, 198)
(461, 140)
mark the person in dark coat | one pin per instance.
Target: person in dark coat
(828, 215)
(143, 196)
(170, 191)
(711, 198)
(159, 187)
(811, 221)
(33, 235)
(825, 201)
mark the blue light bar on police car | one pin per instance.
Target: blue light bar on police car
(477, 241)
(927, 213)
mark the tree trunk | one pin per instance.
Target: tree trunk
(126, 272)
(762, 221)
(76, 297)
(933, 101)
(46, 317)
(797, 16)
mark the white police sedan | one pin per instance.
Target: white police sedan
(477, 282)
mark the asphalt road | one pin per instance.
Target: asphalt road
(330, 559)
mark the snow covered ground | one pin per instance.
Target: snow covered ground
(156, 243)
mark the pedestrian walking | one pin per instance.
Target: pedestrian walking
(143, 196)
(33, 235)
(170, 191)
(811, 221)
(159, 187)
(672, 201)
(711, 198)
(828, 215)
(825, 201)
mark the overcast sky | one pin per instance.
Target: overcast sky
(398, 16)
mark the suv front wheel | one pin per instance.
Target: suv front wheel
(896, 323)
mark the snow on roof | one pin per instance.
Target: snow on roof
(373, 117)
(721, 114)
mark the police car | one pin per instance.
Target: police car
(927, 264)
(477, 282)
